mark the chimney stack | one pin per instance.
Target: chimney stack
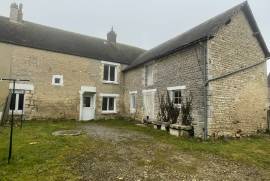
(111, 36)
(16, 14)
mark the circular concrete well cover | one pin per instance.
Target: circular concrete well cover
(67, 133)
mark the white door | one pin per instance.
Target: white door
(88, 107)
(149, 105)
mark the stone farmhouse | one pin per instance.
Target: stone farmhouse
(221, 62)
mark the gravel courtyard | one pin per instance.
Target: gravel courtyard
(121, 150)
(131, 155)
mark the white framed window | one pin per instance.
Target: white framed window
(109, 103)
(149, 75)
(133, 102)
(17, 102)
(110, 72)
(176, 95)
(18, 99)
(58, 80)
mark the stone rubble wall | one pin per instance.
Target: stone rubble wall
(236, 103)
(183, 68)
(57, 102)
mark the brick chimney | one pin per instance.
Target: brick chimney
(111, 36)
(16, 14)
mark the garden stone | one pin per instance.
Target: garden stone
(237, 135)
(174, 132)
(185, 133)
(156, 126)
(165, 126)
(186, 128)
(175, 126)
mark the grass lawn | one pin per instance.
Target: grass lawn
(37, 155)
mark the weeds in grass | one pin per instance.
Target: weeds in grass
(48, 158)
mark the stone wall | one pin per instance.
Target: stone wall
(134, 81)
(5, 53)
(183, 68)
(49, 101)
(237, 102)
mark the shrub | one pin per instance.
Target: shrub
(168, 112)
(163, 114)
(186, 109)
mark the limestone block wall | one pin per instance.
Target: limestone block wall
(134, 81)
(237, 102)
(5, 53)
(50, 101)
(183, 68)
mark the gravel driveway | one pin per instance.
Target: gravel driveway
(130, 155)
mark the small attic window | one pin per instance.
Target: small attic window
(58, 80)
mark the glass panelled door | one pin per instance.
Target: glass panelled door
(88, 107)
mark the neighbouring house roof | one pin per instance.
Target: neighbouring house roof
(46, 38)
(199, 33)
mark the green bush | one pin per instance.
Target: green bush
(168, 112)
(186, 109)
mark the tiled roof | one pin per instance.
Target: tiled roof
(46, 38)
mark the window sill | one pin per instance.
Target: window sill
(149, 85)
(109, 82)
(177, 105)
(16, 112)
(58, 85)
(108, 112)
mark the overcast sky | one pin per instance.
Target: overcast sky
(142, 23)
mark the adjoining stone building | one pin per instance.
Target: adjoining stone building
(221, 62)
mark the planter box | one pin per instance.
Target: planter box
(186, 128)
(175, 132)
(180, 130)
(175, 126)
(164, 126)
